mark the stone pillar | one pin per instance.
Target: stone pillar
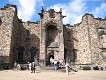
(61, 43)
(42, 57)
(56, 55)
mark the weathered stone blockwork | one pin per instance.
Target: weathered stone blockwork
(6, 25)
(83, 43)
(88, 41)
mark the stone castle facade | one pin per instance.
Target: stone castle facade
(83, 43)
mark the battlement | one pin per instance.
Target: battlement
(10, 7)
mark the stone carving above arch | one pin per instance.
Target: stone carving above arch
(51, 13)
(52, 22)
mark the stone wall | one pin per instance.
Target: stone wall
(69, 43)
(83, 43)
(88, 42)
(31, 39)
(26, 36)
(15, 34)
(6, 17)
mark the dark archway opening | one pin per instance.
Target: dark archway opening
(51, 56)
(20, 54)
(51, 35)
(33, 54)
(65, 54)
(48, 62)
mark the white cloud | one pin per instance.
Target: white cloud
(100, 10)
(26, 8)
(73, 11)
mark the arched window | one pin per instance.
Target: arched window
(33, 53)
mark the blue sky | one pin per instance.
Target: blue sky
(74, 9)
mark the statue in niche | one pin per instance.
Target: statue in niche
(51, 13)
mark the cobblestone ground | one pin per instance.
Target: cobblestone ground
(52, 75)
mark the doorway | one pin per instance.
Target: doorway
(50, 54)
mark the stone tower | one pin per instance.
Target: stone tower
(51, 36)
(6, 26)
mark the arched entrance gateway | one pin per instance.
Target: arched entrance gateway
(51, 43)
(51, 36)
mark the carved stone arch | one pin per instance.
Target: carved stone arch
(51, 22)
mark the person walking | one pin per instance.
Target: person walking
(67, 68)
(18, 67)
(15, 66)
(33, 67)
(28, 66)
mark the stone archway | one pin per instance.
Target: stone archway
(51, 35)
(50, 54)
(51, 40)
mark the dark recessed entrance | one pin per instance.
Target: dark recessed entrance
(51, 56)
(48, 61)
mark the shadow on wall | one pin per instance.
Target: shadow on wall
(70, 53)
(21, 43)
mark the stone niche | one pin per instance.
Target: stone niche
(102, 37)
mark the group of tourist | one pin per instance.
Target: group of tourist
(16, 66)
(59, 64)
(29, 66)
(56, 63)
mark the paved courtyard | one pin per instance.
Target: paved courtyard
(52, 75)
